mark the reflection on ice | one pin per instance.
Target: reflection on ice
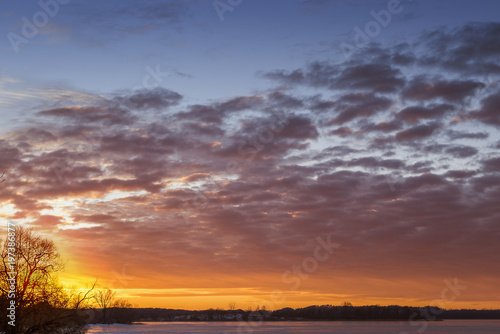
(338, 327)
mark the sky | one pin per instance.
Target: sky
(192, 154)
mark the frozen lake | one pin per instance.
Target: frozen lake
(341, 327)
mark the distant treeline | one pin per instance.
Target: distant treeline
(324, 312)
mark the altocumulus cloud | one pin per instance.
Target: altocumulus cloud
(383, 161)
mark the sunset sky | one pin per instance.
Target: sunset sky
(190, 154)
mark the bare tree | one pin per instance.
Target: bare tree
(232, 306)
(122, 312)
(104, 299)
(42, 304)
(122, 303)
(2, 178)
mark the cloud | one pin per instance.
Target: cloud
(37, 135)
(48, 222)
(489, 113)
(471, 48)
(195, 177)
(416, 113)
(460, 174)
(377, 77)
(213, 188)
(355, 105)
(491, 165)
(216, 112)
(372, 162)
(158, 98)
(13, 94)
(424, 89)
(298, 127)
(452, 134)
(342, 131)
(317, 74)
(88, 114)
(382, 126)
(11, 156)
(373, 76)
(462, 151)
(417, 132)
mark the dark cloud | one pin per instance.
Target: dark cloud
(37, 135)
(299, 127)
(434, 148)
(421, 167)
(416, 113)
(317, 74)
(338, 150)
(453, 135)
(490, 110)
(245, 103)
(372, 162)
(399, 55)
(215, 113)
(285, 100)
(417, 132)
(355, 105)
(319, 105)
(158, 98)
(342, 132)
(407, 58)
(472, 48)
(104, 115)
(383, 126)
(204, 129)
(202, 113)
(462, 151)
(10, 155)
(460, 174)
(377, 77)
(492, 165)
(422, 88)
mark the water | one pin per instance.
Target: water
(340, 327)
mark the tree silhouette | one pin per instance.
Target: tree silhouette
(104, 299)
(122, 303)
(121, 311)
(42, 304)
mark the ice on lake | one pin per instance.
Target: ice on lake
(337, 327)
